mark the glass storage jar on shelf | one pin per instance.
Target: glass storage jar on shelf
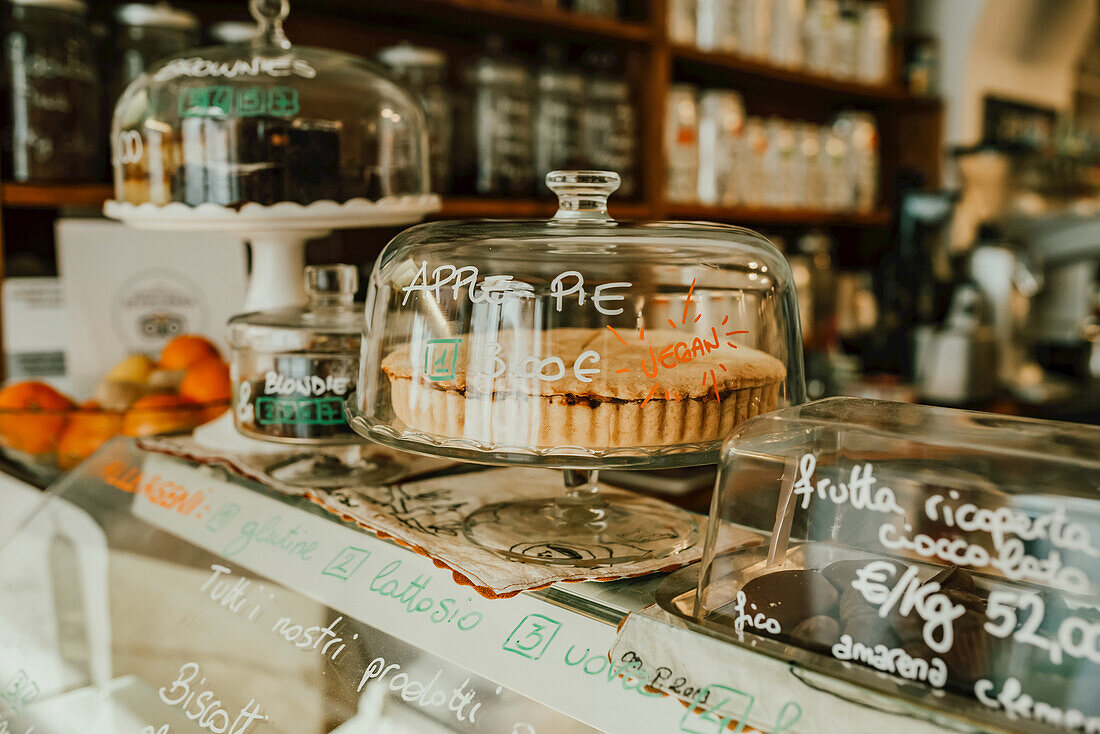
(559, 106)
(52, 125)
(721, 125)
(145, 34)
(265, 122)
(716, 25)
(423, 71)
(498, 143)
(682, 143)
(942, 557)
(577, 343)
(609, 123)
(873, 65)
(682, 26)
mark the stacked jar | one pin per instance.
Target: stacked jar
(423, 71)
(717, 155)
(51, 92)
(835, 38)
(517, 126)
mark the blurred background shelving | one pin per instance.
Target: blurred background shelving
(635, 46)
(648, 58)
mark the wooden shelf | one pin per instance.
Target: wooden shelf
(49, 195)
(479, 207)
(93, 196)
(760, 72)
(592, 25)
(740, 215)
(493, 15)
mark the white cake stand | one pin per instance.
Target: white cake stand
(277, 234)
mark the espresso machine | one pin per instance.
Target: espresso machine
(1025, 294)
(1058, 269)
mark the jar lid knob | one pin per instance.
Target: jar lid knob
(269, 14)
(332, 284)
(582, 195)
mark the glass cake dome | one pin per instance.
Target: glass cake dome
(577, 343)
(264, 122)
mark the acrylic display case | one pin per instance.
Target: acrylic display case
(947, 558)
(145, 594)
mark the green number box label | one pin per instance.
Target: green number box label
(220, 101)
(300, 411)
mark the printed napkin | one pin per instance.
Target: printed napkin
(273, 469)
(427, 515)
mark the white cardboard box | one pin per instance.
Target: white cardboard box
(129, 290)
(34, 330)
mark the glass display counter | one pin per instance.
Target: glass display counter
(150, 595)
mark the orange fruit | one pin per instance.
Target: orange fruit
(160, 413)
(211, 412)
(207, 381)
(88, 429)
(32, 416)
(185, 350)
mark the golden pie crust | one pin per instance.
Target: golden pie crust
(632, 401)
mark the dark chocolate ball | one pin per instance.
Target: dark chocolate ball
(790, 596)
(817, 631)
(871, 630)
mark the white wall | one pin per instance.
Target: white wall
(1025, 50)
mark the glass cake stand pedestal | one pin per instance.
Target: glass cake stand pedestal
(277, 233)
(587, 525)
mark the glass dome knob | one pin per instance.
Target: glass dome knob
(269, 14)
(582, 195)
(332, 285)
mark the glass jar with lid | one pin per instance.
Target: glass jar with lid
(682, 143)
(52, 127)
(577, 343)
(145, 34)
(499, 135)
(423, 71)
(268, 123)
(292, 368)
(559, 104)
(721, 125)
(609, 123)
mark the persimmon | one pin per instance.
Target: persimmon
(32, 416)
(88, 429)
(207, 381)
(161, 413)
(185, 350)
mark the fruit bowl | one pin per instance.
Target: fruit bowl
(46, 432)
(46, 440)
